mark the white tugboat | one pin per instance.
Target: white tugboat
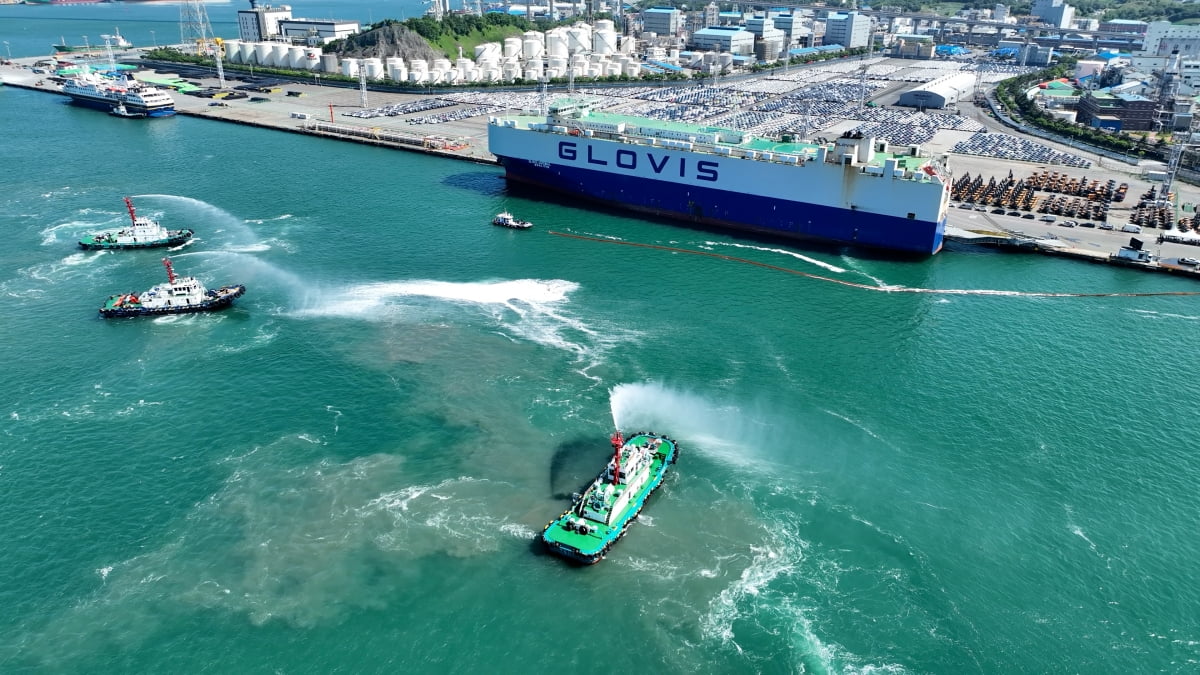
(180, 295)
(507, 219)
(142, 232)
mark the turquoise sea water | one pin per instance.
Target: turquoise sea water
(347, 470)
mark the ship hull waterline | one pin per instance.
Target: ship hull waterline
(731, 210)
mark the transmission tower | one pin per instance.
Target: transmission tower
(362, 85)
(194, 29)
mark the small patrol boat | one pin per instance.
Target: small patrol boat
(120, 111)
(142, 232)
(180, 295)
(507, 219)
(601, 515)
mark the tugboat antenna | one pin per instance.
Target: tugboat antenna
(170, 272)
(129, 205)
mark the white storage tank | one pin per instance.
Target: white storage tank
(418, 76)
(579, 40)
(350, 67)
(553, 72)
(725, 59)
(556, 42)
(419, 66)
(329, 63)
(464, 64)
(535, 35)
(510, 71)
(488, 50)
(533, 73)
(312, 58)
(604, 42)
(605, 24)
(374, 68)
(558, 63)
(490, 74)
(395, 69)
(612, 69)
(532, 49)
(512, 47)
(579, 61)
(673, 56)
(262, 53)
(436, 76)
(279, 55)
(296, 58)
(441, 64)
(246, 52)
(231, 49)
(632, 70)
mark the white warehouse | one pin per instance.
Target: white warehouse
(944, 92)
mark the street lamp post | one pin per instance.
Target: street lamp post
(154, 39)
(8, 48)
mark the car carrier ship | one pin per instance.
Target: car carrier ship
(856, 190)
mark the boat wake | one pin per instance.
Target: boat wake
(529, 309)
(781, 251)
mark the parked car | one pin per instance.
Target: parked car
(1029, 216)
(1014, 213)
(1068, 223)
(1130, 227)
(998, 212)
(1189, 261)
(1087, 225)
(1105, 226)
(1048, 218)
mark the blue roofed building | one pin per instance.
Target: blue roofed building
(732, 39)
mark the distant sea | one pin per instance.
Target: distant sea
(346, 471)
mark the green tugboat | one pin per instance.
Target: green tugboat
(601, 515)
(143, 232)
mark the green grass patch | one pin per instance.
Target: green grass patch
(449, 43)
(946, 8)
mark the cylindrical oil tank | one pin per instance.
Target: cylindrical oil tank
(604, 42)
(512, 46)
(597, 58)
(532, 49)
(533, 73)
(374, 68)
(279, 55)
(262, 53)
(595, 70)
(488, 50)
(510, 71)
(611, 68)
(231, 49)
(556, 43)
(312, 57)
(534, 35)
(579, 40)
(350, 67)
(394, 65)
(295, 58)
(558, 63)
(553, 72)
(673, 55)
(490, 74)
(329, 63)
(245, 52)
(579, 61)
(725, 59)
(441, 64)
(464, 64)
(605, 24)
(632, 70)
(418, 66)
(418, 76)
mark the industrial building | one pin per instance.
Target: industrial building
(261, 24)
(662, 21)
(732, 39)
(944, 92)
(848, 30)
(1117, 111)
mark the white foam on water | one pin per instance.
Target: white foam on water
(781, 251)
(1151, 314)
(530, 309)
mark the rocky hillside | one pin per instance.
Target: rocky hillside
(385, 41)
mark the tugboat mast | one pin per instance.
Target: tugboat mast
(170, 272)
(617, 441)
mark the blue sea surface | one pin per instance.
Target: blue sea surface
(348, 469)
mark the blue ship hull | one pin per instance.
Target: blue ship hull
(723, 208)
(107, 106)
